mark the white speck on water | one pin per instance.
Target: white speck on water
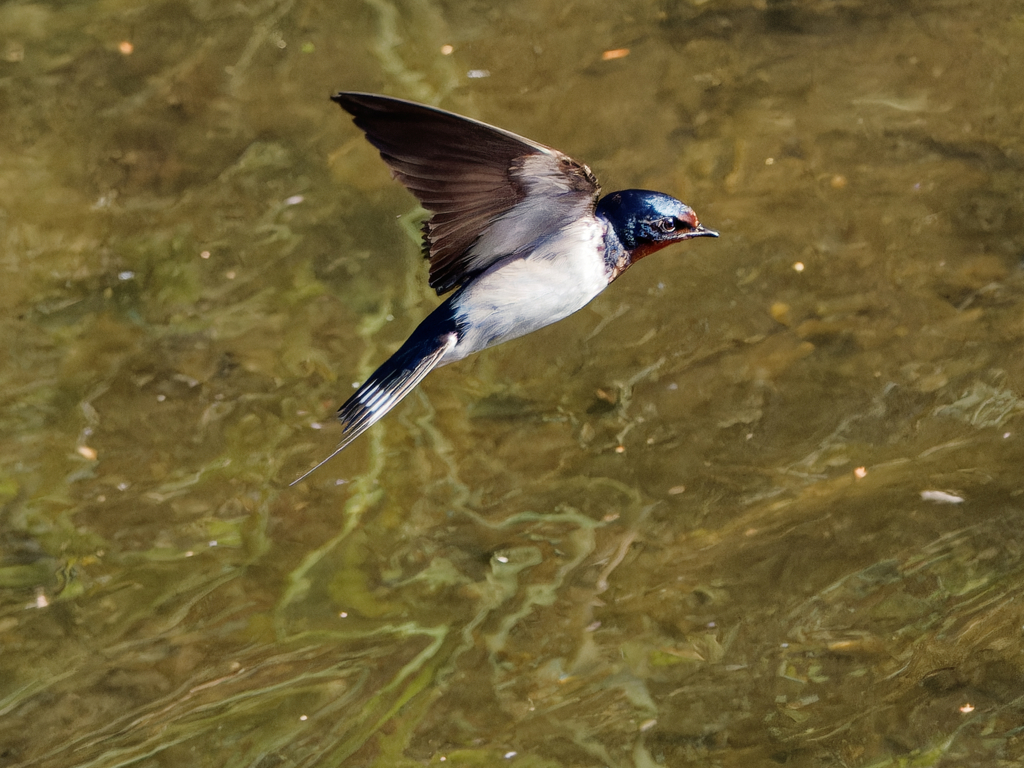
(941, 497)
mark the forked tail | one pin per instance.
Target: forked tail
(395, 379)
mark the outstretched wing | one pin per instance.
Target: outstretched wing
(492, 193)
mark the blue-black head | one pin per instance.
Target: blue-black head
(648, 221)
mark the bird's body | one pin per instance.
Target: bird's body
(517, 230)
(560, 275)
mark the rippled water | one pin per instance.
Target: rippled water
(759, 504)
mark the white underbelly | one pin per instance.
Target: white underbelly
(520, 296)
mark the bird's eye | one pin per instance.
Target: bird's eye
(667, 225)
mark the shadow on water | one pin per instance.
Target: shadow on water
(758, 504)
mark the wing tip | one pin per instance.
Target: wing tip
(357, 101)
(342, 97)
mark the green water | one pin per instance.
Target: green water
(683, 527)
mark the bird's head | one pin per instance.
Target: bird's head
(646, 222)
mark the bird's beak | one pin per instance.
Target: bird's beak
(699, 231)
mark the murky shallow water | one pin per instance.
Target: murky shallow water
(685, 526)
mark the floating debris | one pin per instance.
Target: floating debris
(941, 497)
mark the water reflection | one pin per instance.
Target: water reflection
(683, 526)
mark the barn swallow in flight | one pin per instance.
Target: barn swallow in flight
(516, 231)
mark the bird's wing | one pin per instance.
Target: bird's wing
(492, 193)
(386, 386)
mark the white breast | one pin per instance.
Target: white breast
(522, 294)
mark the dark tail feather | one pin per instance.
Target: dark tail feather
(396, 378)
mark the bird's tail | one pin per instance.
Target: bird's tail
(396, 378)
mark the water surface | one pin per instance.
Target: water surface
(758, 504)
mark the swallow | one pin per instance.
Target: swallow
(518, 233)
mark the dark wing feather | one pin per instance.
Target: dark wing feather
(491, 192)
